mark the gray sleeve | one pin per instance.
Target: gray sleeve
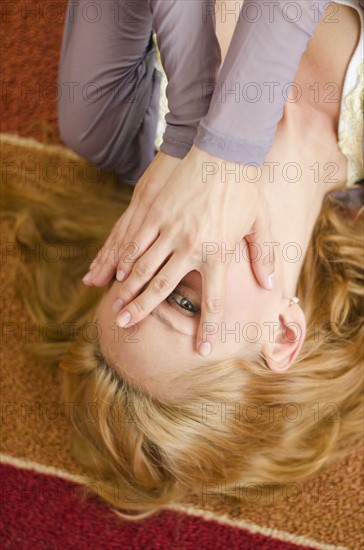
(191, 57)
(248, 99)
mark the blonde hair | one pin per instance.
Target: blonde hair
(239, 424)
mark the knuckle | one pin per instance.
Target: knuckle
(190, 241)
(156, 214)
(112, 254)
(137, 309)
(195, 254)
(214, 305)
(126, 294)
(141, 269)
(161, 284)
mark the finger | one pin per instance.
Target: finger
(135, 247)
(145, 268)
(112, 252)
(96, 258)
(158, 290)
(104, 269)
(87, 279)
(261, 251)
(119, 228)
(212, 306)
(100, 258)
(96, 262)
(122, 252)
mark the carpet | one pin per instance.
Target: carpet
(40, 503)
(43, 504)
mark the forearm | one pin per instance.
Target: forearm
(248, 99)
(191, 57)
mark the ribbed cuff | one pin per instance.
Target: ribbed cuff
(177, 141)
(231, 149)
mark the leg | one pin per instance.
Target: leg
(108, 108)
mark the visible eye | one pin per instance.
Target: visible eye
(183, 302)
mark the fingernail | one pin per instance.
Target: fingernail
(117, 305)
(87, 278)
(271, 281)
(124, 319)
(204, 348)
(120, 275)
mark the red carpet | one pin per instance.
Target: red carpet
(43, 512)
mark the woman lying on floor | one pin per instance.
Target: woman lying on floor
(282, 396)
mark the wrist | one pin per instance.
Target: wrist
(225, 170)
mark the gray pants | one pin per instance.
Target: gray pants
(110, 87)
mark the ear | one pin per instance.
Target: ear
(286, 343)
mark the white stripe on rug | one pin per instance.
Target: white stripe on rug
(192, 511)
(31, 143)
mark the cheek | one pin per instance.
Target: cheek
(142, 351)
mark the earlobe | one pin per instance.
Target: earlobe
(282, 352)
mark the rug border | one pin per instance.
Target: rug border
(252, 528)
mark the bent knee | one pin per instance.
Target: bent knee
(75, 132)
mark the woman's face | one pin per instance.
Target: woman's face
(165, 340)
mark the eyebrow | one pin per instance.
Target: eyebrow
(165, 321)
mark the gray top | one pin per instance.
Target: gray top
(253, 83)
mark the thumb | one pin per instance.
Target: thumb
(261, 251)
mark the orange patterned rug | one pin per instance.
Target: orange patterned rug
(42, 498)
